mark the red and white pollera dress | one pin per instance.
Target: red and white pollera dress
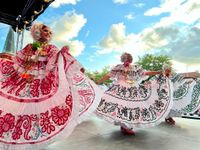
(42, 101)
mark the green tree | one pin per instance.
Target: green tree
(154, 63)
(96, 75)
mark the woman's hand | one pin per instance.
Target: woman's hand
(167, 72)
(82, 70)
(97, 82)
(193, 75)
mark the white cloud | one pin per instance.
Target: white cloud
(68, 26)
(178, 34)
(66, 30)
(151, 38)
(116, 37)
(183, 11)
(76, 47)
(130, 16)
(166, 6)
(120, 1)
(58, 3)
(118, 41)
(181, 43)
(155, 38)
(179, 66)
(182, 67)
(139, 5)
(186, 47)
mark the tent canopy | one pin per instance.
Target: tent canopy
(23, 13)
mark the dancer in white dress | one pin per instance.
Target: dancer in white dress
(186, 94)
(131, 103)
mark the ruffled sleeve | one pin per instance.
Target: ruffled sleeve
(115, 71)
(134, 72)
(70, 63)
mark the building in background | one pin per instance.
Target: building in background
(9, 46)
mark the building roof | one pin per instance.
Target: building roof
(21, 13)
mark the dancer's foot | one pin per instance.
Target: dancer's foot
(127, 131)
(170, 121)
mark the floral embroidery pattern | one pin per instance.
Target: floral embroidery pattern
(85, 91)
(6, 123)
(44, 120)
(127, 112)
(140, 93)
(6, 67)
(195, 102)
(60, 115)
(181, 91)
(35, 127)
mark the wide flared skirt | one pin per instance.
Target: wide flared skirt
(137, 105)
(35, 113)
(89, 95)
(186, 95)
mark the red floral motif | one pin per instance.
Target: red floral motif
(7, 67)
(60, 115)
(47, 83)
(45, 123)
(34, 88)
(17, 133)
(77, 78)
(24, 127)
(51, 76)
(86, 94)
(45, 86)
(68, 101)
(6, 123)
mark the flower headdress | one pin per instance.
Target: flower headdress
(35, 31)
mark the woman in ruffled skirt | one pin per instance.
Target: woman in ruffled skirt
(132, 102)
(43, 94)
(186, 94)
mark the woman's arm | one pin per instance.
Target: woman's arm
(191, 75)
(82, 70)
(151, 73)
(104, 78)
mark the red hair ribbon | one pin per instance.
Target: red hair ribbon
(126, 64)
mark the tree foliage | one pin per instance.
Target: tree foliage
(154, 63)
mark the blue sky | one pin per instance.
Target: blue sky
(98, 31)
